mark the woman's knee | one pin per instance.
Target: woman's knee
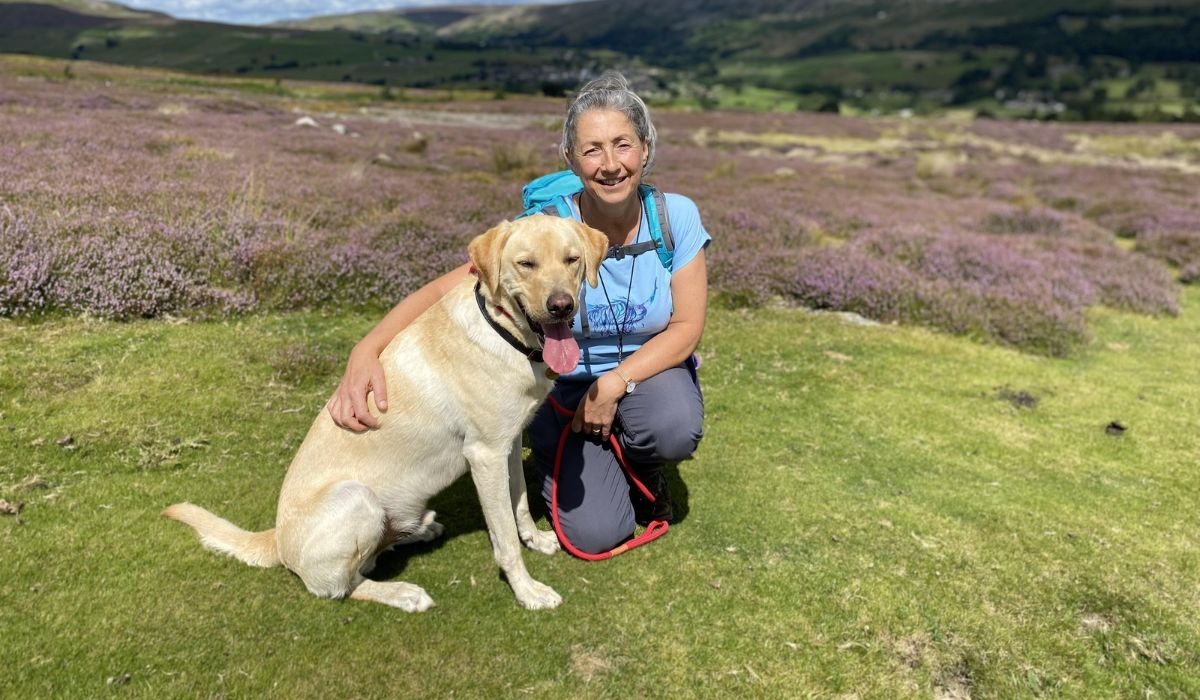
(678, 444)
(596, 537)
(668, 437)
(666, 420)
(594, 527)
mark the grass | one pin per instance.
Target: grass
(876, 512)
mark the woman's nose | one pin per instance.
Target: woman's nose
(608, 161)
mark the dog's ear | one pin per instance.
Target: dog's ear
(595, 246)
(484, 252)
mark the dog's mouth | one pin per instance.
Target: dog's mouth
(559, 349)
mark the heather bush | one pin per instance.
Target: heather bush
(853, 278)
(1157, 210)
(1179, 247)
(120, 276)
(25, 268)
(126, 200)
(754, 249)
(1027, 292)
(117, 277)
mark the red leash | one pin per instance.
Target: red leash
(656, 528)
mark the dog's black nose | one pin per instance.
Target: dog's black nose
(560, 305)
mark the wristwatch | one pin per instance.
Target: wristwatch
(630, 385)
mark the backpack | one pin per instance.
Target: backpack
(549, 194)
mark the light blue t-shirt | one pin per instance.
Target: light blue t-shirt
(633, 300)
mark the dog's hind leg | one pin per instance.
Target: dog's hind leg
(406, 596)
(425, 531)
(331, 548)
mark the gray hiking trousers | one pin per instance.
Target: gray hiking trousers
(661, 421)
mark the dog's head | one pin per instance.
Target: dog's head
(539, 263)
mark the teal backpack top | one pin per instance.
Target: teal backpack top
(549, 194)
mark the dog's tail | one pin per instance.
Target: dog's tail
(220, 535)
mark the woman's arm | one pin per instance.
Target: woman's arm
(676, 342)
(364, 373)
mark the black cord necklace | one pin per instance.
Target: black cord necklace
(622, 325)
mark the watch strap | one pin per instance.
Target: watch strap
(630, 385)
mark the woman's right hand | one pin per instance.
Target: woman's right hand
(348, 405)
(364, 372)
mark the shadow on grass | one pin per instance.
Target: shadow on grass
(458, 510)
(679, 493)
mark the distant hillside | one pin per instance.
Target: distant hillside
(37, 14)
(417, 21)
(1062, 59)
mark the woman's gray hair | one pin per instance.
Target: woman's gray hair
(611, 91)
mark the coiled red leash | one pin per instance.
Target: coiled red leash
(654, 530)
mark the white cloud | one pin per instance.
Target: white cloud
(267, 11)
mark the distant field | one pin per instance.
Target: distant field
(1010, 59)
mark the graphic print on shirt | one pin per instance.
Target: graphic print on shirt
(601, 316)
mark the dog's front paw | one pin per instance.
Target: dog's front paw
(544, 541)
(536, 595)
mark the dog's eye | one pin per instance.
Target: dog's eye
(572, 259)
(527, 264)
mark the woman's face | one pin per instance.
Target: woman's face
(608, 156)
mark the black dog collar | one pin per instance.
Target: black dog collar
(534, 354)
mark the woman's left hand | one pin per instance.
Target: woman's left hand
(596, 410)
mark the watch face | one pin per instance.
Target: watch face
(630, 386)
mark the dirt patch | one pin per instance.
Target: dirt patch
(954, 684)
(1017, 397)
(589, 663)
(1093, 622)
(913, 650)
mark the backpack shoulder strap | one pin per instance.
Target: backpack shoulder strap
(659, 222)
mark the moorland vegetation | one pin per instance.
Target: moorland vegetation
(122, 201)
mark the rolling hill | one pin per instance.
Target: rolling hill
(1063, 59)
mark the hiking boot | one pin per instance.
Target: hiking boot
(645, 510)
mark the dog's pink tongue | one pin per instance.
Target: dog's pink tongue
(560, 351)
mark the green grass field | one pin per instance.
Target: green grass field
(876, 512)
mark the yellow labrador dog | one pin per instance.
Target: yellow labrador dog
(464, 379)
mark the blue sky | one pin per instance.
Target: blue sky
(267, 11)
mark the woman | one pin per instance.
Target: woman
(636, 333)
